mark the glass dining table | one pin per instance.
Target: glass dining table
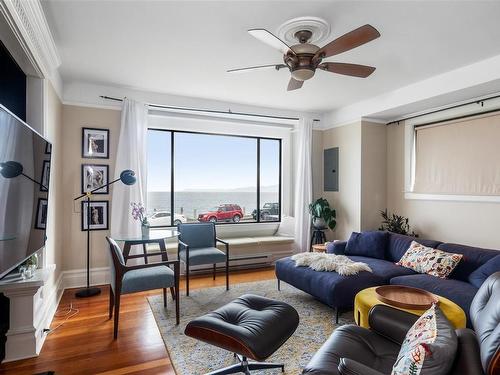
(155, 237)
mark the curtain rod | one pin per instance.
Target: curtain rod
(477, 101)
(229, 112)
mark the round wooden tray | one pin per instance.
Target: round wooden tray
(406, 297)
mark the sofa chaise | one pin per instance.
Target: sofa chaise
(381, 255)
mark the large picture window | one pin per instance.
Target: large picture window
(199, 177)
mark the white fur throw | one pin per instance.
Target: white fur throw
(330, 262)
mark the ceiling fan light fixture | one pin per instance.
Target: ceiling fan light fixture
(304, 58)
(302, 74)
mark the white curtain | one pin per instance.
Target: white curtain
(303, 184)
(131, 154)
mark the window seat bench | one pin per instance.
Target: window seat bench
(245, 250)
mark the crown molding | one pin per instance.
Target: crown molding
(27, 22)
(373, 120)
(475, 80)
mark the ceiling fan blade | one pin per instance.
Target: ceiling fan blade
(270, 39)
(275, 66)
(294, 84)
(354, 70)
(346, 42)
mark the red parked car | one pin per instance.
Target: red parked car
(224, 212)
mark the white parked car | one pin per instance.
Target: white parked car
(162, 219)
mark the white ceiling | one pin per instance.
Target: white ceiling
(185, 47)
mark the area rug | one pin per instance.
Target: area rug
(193, 357)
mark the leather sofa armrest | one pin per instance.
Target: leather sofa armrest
(391, 323)
(350, 367)
(468, 359)
(336, 247)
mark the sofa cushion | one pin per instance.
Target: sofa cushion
(383, 268)
(458, 291)
(429, 346)
(267, 240)
(473, 258)
(478, 277)
(397, 244)
(328, 287)
(336, 247)
(423, 259)
(238, 241)
(369, 244)
(286, 227)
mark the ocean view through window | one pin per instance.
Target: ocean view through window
(218, 178)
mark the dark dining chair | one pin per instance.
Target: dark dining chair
(197, 246)
(138, 278)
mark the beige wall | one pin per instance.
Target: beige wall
(347, 201)
(53, 132)
(74, 240)
(362, 176)
(460, 222)
(373, 174)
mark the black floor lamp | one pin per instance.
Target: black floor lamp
(128, 178)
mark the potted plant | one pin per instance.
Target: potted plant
(396, 224)
(322, 215)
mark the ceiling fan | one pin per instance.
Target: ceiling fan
(304, 58)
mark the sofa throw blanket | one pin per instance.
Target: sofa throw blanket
(330, 262)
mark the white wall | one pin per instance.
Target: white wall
(53, 132)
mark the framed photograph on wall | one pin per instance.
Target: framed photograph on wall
(99, 213)
(48, 148)
(95, 143)
(93, 177)
(44, 182)
(41, 214)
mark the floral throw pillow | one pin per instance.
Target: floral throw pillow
(423, 259)
(429, 347)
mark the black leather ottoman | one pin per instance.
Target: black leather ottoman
(251, 327)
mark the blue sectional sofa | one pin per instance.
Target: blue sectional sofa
(381, 255)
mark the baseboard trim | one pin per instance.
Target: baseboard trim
(78, 278)
(53, 298)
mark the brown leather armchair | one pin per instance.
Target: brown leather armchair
(353, 350)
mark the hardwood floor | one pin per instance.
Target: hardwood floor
(85, 345)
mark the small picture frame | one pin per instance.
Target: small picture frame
(44, 182)
(41, 214)
(95, 143)
(48, 148)
(93, 177)
(99, 214)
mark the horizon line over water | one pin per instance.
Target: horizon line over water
(245, 189)
(192, 203)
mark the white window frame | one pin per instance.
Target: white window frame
(410, 157)
(214, 124)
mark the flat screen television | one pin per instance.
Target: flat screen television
(24, 190)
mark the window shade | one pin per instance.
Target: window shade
(459, 157)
